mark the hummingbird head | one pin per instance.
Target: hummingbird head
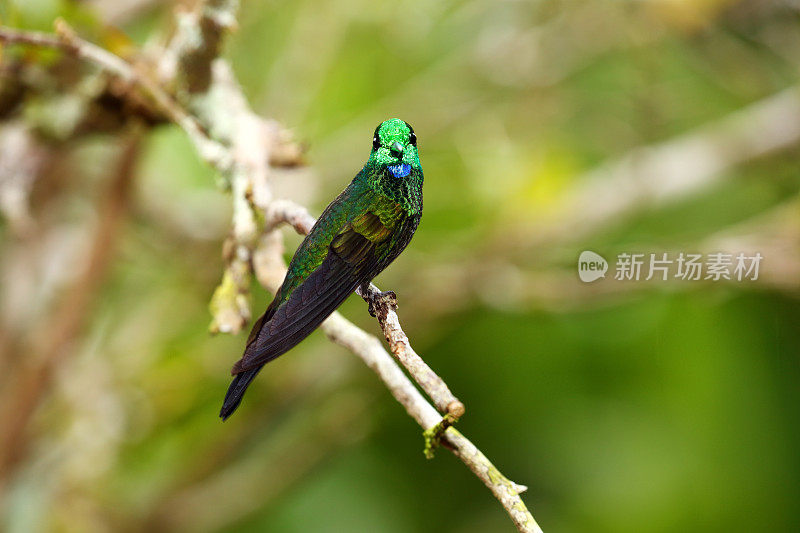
(394, 147)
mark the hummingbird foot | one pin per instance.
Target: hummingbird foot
(433, 435)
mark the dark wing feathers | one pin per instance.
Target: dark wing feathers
(356, 255)
(259, 324)
(236, 390)
(352, 259)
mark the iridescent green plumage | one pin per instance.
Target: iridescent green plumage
(363, 230)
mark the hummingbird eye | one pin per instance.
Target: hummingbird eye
(412, 138)
(376, 143)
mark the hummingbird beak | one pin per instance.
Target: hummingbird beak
(397, 149)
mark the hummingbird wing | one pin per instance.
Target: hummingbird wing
(364, 246)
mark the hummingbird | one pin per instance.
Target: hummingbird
(357, 236)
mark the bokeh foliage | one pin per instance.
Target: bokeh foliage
(652, 408)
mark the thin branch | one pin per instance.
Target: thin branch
(270, 272)
(505, 490)
(203, 29)
(67, 41)
(369, 349)
(436, 389)
(231, 160)
(208, 87)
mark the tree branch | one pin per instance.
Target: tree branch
(207, 86)
(270, 273)
(67, 41)
(434, 387)
(224, 148)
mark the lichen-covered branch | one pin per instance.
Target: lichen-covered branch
(505, 490)
(270, 270)
(237, 143)
(343, 332)
(206, 85)
(369, 349)
(67, 41)
(436, 389)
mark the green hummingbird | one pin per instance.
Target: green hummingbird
(363, 230)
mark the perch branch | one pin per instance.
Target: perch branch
(338, 329)
(229, 159)
(434, 387)
(369, 349)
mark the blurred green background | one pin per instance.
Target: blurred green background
(623, 406)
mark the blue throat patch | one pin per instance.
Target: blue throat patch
(400, 171)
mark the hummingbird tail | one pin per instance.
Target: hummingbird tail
(236, 390)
